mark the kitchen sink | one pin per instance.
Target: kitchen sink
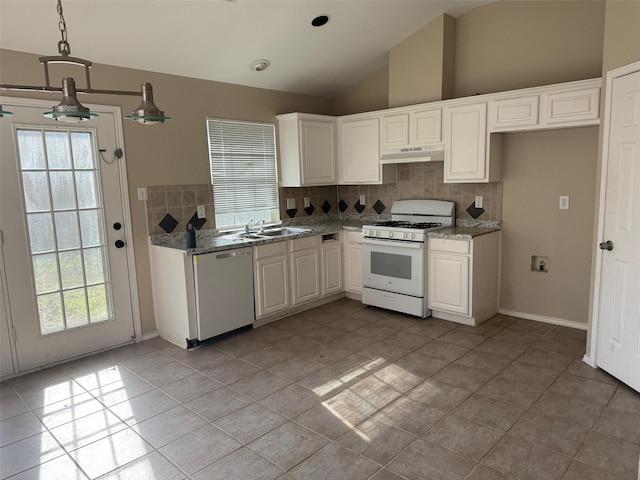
(270, 233)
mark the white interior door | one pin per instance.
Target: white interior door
(61, 214)
(618, 329)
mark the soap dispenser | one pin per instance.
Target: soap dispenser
(190, 236)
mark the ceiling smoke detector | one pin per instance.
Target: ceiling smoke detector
(260, 65)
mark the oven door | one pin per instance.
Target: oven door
(394, 266)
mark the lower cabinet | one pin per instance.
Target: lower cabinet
(271, 278)
(290, 274)
(463, 278)
(352, 247)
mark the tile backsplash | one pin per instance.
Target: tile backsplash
(173, 206)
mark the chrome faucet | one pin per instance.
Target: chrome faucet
(247, 227)
(251, 224)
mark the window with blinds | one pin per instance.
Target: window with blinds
(242, 160)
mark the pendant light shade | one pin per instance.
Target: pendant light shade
(69, 110)
(147, 112)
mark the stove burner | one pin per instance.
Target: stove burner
(406, 224)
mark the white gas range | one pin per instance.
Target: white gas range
(394, 257)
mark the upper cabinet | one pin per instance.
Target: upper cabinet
(359, 151)
(580, 106)
(411, 128)
(307, 149)
(470, 154)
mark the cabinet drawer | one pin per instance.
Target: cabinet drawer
(304, 243)
(449, 245)
(270, 249)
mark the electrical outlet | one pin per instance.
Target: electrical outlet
(291, 203)
(200, 210)
(564, 202)
(307, 203)
(539, 263)
(362, 200)
(142, 193)
(478, 201)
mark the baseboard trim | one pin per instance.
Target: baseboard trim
(544, 319)
(589, 361)
(150, 335)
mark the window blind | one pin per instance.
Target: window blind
(242, 160)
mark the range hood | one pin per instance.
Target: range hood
(432, 153)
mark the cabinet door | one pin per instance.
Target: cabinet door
(305, 275)
(353, 267)
(572, 108)
(425, 127)
(449, 283)
(513, 113)
(395, 130)
(272, 285)
(318, 155)
(359, 157)
(466, 141)
(331, 269)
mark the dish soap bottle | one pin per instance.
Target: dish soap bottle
(190, 236)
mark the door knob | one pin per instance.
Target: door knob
(119, 244)
(608, 245)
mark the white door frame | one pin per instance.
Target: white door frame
(591, 359)
(45, 105)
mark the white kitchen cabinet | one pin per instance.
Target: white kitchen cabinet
(305, 269)
(580, 106)
(471, 154)
(411, 128)
(513, 113)
(331, 257)
(307, 149)
(271, 278)
(359, 152)
(352, 245)
(463, 278)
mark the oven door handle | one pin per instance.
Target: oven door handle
(391, 243)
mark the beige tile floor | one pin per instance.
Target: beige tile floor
(339, 392)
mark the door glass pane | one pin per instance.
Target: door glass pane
(31, 150)
(66, 232)
(82, 150)
(86, 188)
(50, 310)
(62, 191)
(58, 154)
(45, 272)
(41, 233)
(38, 199)
(75, 308)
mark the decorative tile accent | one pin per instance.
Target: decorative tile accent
(358, 206)
(379, 207)
(197, 223)
(473, 211)
(292, 212)
(168, 223)
(342, 206)
(310, 209)
(326, 207)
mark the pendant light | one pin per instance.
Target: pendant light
(70, 110)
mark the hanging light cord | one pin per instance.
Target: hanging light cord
(63, 45)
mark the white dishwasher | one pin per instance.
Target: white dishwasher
(224, 291)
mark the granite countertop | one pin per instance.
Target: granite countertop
(209, 241)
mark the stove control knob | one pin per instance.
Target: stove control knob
(370, 232)
(413, 236)
(377, 233)
(405, 235)
(390, 234)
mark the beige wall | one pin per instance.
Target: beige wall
(417, 70)
(370, 94)
(517, 44)
(171, 154)
(537, 168)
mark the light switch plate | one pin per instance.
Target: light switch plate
(362, 200)
(142, 193)
(291, 203)
(200, 210)
(307, 203)
(478, 201)
(564, 202)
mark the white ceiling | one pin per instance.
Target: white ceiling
(218, 39)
